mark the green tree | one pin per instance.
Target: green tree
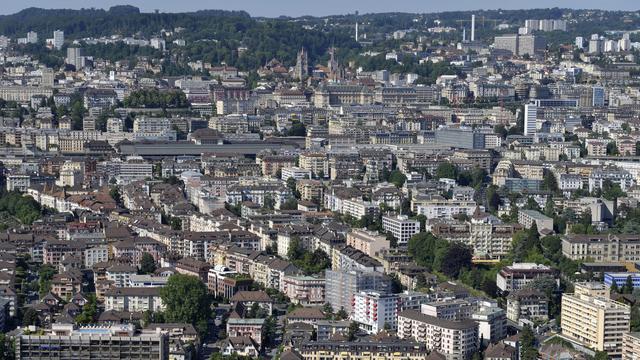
(493, 198)
(446, 170)
(397, 178)
(352, 331)
(452, 257)
(422, 248)
(614, 287)
(89, 312)
(601, 355)
(611, 191)
(295, 251)
(186, 300)
(528, 340)
(327, 309)
(45, 274)
(147, 264)
(628, 285)
(7, 348)
(342, 314)
(549, 182)
(30, 317)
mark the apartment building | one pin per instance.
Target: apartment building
(305, 290)
(488, 241)
(528, 217)
(457, 340)
(375, 311)
(527, 304)
(369, 242)
(133, 299)
(252, 328)
(440, 208)
(631, 346)
(519, 275)
(373, 349)
(341, 286)
(401, 227)
(602, 247)
(596, 322)
(65, 341)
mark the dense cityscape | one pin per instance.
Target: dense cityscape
(211, 185)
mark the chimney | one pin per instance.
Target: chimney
(473, 28)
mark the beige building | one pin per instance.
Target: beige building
(368, 242)
(602, 247)
(596, 322)
(631, 346)
(317, 163)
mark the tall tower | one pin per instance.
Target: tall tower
(356, 31)
(473, 28)
(302, 65)
(530, 119)
(464, 34)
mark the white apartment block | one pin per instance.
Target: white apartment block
(596, 322)
(295, 172)
(446, 209)
(133, 299)
(401, 227)
(358, 208)
(95, 255)
(373, 310)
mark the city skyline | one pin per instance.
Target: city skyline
(330, 7)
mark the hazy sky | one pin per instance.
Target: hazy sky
(320, 7)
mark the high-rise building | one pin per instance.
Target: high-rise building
(32, 37)
(530, 119)
(596, 322)
(579, 42)
(302, 65)
(375, 311)
(75, 58)
(532, 24)
(631, 346)
(341, 286)
(598, 96)
(58, 39)
(595, 45)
